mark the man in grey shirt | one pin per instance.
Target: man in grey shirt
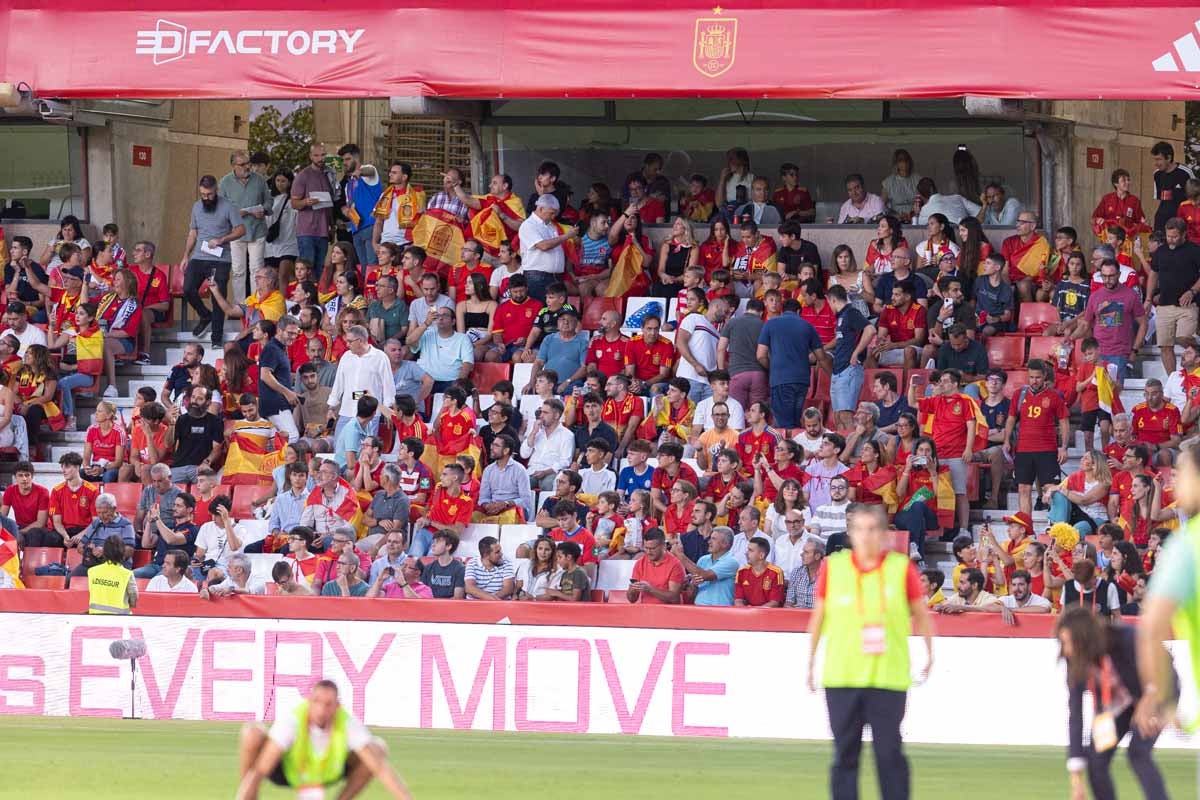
(247, 192)
(215, 223)
(737, 354)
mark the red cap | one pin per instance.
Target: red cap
(1022, 519)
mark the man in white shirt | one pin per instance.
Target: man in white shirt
(718, 380)
(1020, 600)
(218, 538)
(363, 369)
(813, 434)
(998, 209)
(172, 578)
(696, 340)
(237, 578)
(1173, 385)
(542, 254)
(549, 447)
(16, 318)
(861, 206)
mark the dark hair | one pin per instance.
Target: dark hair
(414, 446)
(961, 543)
(450, 538)
(114, 549)
(25, 466)
(762, 543)
(673, 449)
(974, 576)
(573, 478)
(485, 544)
(654, 535)
(571, 549)
(1163, 149)
(1089, 641)
(935, 577)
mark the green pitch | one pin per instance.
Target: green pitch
(85, 758)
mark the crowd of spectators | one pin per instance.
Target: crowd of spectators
(720, 444)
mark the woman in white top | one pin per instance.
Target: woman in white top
(940, 240)
(69, 230)
(533, 576)
(790, 497)
(900, 188)
(735, 173)
(282, 250)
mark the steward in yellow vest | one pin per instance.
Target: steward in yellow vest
(111, 587)
(864, 607)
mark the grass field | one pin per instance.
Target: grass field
(86, 758)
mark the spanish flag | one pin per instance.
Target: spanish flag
(89, 351)
(699, 208)
(439, 233)
(409, 205)
(882, 482)
(348, 509)
(251, 457)
(9, 560)
(677, 422)
(1106, 392)
(941, 497)
(629, 266)
(1033, 258)
(496, 220)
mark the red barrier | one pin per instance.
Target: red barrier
(601, 615)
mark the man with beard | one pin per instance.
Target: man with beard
(214, 224)
(199, 435)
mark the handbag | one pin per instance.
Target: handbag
(273, 228)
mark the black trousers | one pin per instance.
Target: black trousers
(198, 271)
(849, 711)
(1141, 761)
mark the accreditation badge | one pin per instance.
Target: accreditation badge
(874, 640)
(1104, 732)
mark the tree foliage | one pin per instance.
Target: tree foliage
(1191, 144)
(285, 139)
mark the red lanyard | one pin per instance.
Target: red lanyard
(858, 575)
(1105, 683)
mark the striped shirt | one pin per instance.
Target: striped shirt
(490, 580)
(452, 204)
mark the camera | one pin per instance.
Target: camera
(920, 461)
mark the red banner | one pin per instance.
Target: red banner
(1098, 49)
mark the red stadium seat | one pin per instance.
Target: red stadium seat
(73, 558)
(485, 375)
(142, 583)
(1006, 352)
(595, 307)
(867, 395)
(34, 557)
(1034, 317)
(617, 596)
(127, 495)
(170, 270)
(243, 497)
(599, 596)
(1045, 347)
(897, 541)
(1016, 379)
(46, 582)
(142, 557)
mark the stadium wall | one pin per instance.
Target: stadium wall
(514, 677)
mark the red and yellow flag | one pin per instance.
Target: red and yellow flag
(1032, 259)
(440, 234)
(1106, 392)
(251, 459)
(10, 562)
(496, 220)
(89, 351)
(700, 207)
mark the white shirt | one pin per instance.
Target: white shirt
(810, 445)
(392, 232)
(954, 206)
(1173, 389)
(741, 542)
(532, 231)
(1034, 601)
(785, 554)
(286, 727)
(926, 253)
(212, 540)
(256, 584)
(1009, 212)
(159, 583)
(371, 373)
(596, 481)
(702, 416)
(31, 335)
(734, 181)
(830, 519)
(499, 275)
(702, 341)
(549, 452)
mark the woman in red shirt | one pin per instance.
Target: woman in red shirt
(120, 317)
(1139, 509)
(879, 251)
(715, 252)
(870, 473)
(906, 438)
(104, 447)
(622, 236)
(917, 489)
(236, 380)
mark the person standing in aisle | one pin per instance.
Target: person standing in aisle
(865, 605)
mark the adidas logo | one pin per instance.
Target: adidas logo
(1188, 50)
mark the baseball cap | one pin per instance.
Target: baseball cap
(74, 272)
(548, 201)
(1022, 519)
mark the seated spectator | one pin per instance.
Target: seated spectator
(787, 549)
(678, 514)
(1135, 460)
(828, 521)
(266, 302)
(16, 322)
(403, 584)
(348, 442)
(90, 540)
(219, 537)
(104, 446)
(760, 208)
(792, 200)
(516, 322)
(180, 534)
(236, 578)
(825, 465)
(1069, 295)
(1158, 423)
(589, 278)
(711, 576)
(35, 383)
(861, 207)
(570, 529)
(970, 595)
(902, 271)
(491, 576)
(159, 495)
(199, 437)
(286, 510)
(621, 410)
(27, 506)
(570, 581)
(564, 352)
(1086, 590)
(71, 507)
(901, 333)
(332, 503)
(998, 208)
(450, 508)
(445, 575)
(649, 359)
(593, 427)
(549, 447)
(994, 299)
(173, 577)
(636, 475)
(300, 555)
(341, 541)
(649, 208)
(969, 556)
(669, 471)
(658, 576)
(872, 472)
(389, 509)
(391, 554)
(345, 580)
(759, 583)
(932, 581)
(1082, 498)
(287, 583)
(940, 238)
(533, 574)
(673, 413)
(916, 487)
(151, 442)
(802, 578)
(1140, 508)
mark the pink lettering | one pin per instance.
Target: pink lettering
(682, 687)
(359, 678)
(303, 681)
(433, 656)
(631, 722)
(81, 671)
(210, 674)
(164, 707)
(35, 689)
(583, 684)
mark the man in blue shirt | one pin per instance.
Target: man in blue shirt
(564, 352)
(784, 348)
(850, 342)
(349, 440)
(713, 576)
(275, 398)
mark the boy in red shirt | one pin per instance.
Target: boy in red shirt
(1044, 431)
(569, 530)
(759, 583)
(513, 321)
(449, 508)
(1089, 398)
(30, 506)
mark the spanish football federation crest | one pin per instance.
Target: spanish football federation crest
(715, 44)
